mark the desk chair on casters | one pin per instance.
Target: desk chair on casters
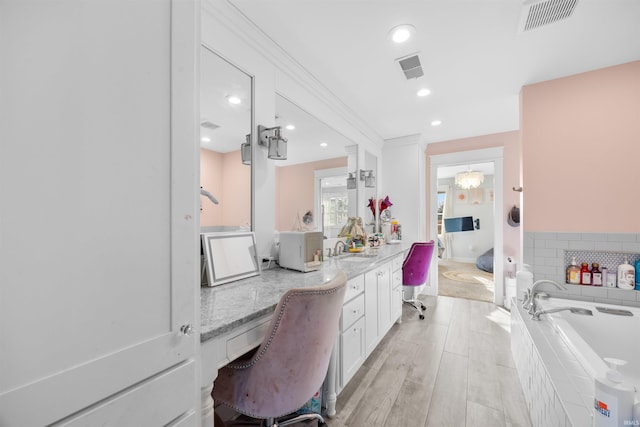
(291, 363)
(415, 269)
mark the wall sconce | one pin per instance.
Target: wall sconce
(245, 150)
(368, 178)
(351, 181)
(275, 143)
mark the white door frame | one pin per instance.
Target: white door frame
(494, 155)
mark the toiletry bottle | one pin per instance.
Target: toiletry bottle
(637, 270)
(609, 279)
(596, 274)
(626, 275)
(585, 274)
(573, 272)
(613, 400)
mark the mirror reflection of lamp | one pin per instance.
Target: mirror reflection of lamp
(245, 150)
(351, 181)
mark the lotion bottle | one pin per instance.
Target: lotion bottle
(613, 400)
(626, 275)
(573, 272)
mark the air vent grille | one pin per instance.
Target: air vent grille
(209, 125)
(411, 66)
(538, 14)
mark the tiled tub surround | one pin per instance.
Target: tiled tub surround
(549, 253)
(557, 389)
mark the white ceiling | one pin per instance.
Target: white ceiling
(474, 56)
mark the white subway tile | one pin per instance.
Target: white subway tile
(622, 294)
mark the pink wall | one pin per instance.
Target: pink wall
(295, 192)
(510, 142)
(581, 151)
(229, 181)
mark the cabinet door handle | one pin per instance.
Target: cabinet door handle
(355, 311)
(186, 330)
(356, 330)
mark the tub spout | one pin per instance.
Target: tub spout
(530, 303)
(575, 310)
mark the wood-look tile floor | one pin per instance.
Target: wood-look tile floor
(454, 368)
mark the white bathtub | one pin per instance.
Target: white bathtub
(592, 338)
(559, 356)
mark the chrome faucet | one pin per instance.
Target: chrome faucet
(530, 301)
(575, 310)
(335, 248)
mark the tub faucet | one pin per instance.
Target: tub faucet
(575, 310)
(335, 248)
(530, 302)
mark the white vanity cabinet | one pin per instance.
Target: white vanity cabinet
(377, 305)
(99, 255)
(352, 349)
(396, 288)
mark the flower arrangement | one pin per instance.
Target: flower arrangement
(382, 203)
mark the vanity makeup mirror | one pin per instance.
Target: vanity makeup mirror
(226, 123)
(311, 190)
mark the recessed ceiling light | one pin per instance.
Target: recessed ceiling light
(233, 99)
(205, 139)
(323, 144)
(290, 127)
(402, 33)
(423, 92)
(436, 123)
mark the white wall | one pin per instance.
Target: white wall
(403, 180)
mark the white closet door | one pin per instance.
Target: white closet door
(98, 204)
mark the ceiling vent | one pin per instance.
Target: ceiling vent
(536, 13)
(208, 125)
(411, 66)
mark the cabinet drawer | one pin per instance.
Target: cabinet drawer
(396, 279)
(396, 263)
(355, 287)
(352, 310)
(352, 353)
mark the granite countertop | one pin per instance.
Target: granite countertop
(227, 306)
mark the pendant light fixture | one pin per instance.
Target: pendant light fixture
(469, 179)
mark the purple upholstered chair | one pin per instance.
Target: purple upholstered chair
(414, 272)
(291, 363)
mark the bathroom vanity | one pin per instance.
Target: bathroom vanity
(235, 317)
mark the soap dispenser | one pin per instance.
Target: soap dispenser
(613, 400)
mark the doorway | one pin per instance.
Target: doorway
(465, 231)
(465, 158)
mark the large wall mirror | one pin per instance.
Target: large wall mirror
(311, 185)
(226, 122)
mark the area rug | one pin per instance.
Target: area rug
(464, 280)
(472, 277)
